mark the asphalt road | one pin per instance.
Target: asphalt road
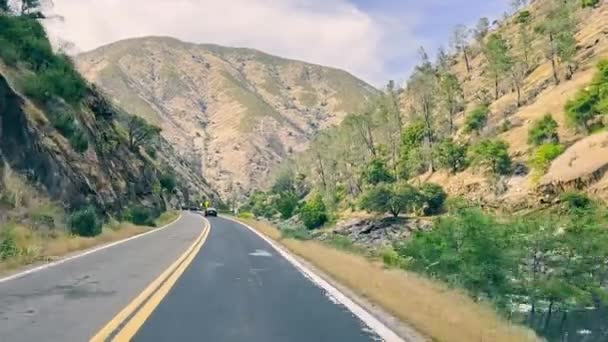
(72, 301)
(237, 288)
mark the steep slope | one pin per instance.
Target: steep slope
(234, 113)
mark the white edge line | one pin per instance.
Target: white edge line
(85, 253)
(372, 322)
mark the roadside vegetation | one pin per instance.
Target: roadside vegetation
(542, 265)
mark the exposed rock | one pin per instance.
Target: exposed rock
(379, 232)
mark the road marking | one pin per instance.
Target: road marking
(261, 253)
(372, 322)
(85, 253)
(150, 297)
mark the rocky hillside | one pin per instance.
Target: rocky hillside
(62, 141)
(233, 113)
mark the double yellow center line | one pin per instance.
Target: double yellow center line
(128, 321)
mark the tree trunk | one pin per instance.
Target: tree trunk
(466, 60)
(532, 312)
(553, 62)
(549, 314)
(563, 322)
(321, 171)
(496, 87)
(451, 120)
(518, 87)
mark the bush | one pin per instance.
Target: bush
(79, 141)
(476, 119)
(524, 17)
(286, 205)
(393, 198)
(543, 131)
(574, 201)
(589, 3)
(142, 216)
(85, 222)
(377, 172)
(314, 213)
(589, 102)
(390, 257)
(168, 182)
(493, 154)
(544, 155)
(8, 244)
(452, 155)
(433, 197)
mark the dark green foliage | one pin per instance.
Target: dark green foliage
(476, 119)
(142, 216)
(467, 250)
(543, 131)
(523, 17)
(393, 198)
(413, 135)
(8, 244)
(433, 198)
(544, 155)
(314, 213)
(140, 132)
(591, 101)
(284, 182)
(66, 124)
(4, 7)
(151, 151)
(79, 141)
(85, 222)
(168, 182)
(286, 204)
(574, 201)
(452, 155)
(589, 3)
(377, 172)
(493, 154)
(24, 39)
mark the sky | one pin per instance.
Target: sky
(376, 40)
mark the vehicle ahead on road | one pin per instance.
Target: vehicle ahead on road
(211, 212)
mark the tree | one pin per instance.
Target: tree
(481, 29)
(314, 212)
(543, 131)
(284, 182)
(516, 5)
(286, 204)
(518, 72)
(476, 119)
(499, 60)
(377, 172)
(393, 198)
(140, 132)
(423, 87)
(452, 97)
(168, 181)
(433, 197)
(363, 126)
(559, 28)
(525, 37)
(591, 101)
(460, 41)
(452, 155)
(493, 154)
(4, 6)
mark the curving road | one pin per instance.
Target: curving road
(236, 288)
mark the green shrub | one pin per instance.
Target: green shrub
(574, 201)
(168, 182)
(543, 131)
(8, 54)
(544, 155)
(79, 141)
(589, 102)
(476, 119)
(341, 242)
(377, 172)
(390, 257)
(393, 198)
(433, 197)
(8, 244)
(314, 213)
(151, 151)
(85, 222)
(142, 216)
(493, 154)
(296, 233)
(523, 17)
(286, 205)
(452, 155)
(589, 3)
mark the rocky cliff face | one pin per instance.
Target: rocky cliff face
(232, 113)
(108, 174)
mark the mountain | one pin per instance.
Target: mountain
(234, 113)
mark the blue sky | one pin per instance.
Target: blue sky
(376, 40)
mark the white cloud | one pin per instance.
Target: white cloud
(330, 32)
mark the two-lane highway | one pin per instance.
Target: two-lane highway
(236, 287)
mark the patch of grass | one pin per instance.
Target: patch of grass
(441, 313)
(166, 218)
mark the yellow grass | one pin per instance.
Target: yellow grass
(434, 310)
(36, 247)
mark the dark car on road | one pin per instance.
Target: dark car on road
(210, 212)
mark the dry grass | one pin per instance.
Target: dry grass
(441, 313)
